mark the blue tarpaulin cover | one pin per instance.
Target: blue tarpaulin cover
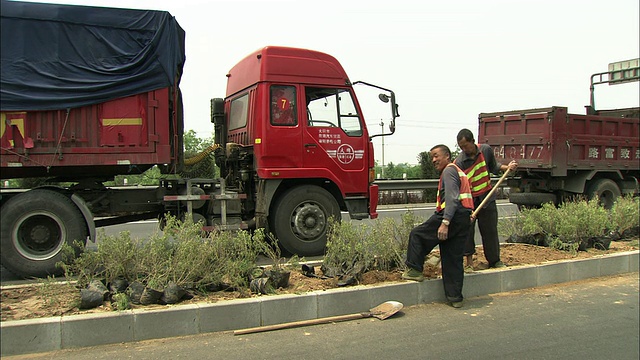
(65, 56)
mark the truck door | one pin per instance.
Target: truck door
(334, 139)
(282, 138)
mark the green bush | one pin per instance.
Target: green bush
(573, 224)
(355, 249)
(580, 220)
(625, 214)
(181, 254)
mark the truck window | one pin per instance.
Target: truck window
(283, 106)
(329, 107)
(239, 111)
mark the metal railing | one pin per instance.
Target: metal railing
(420, 184)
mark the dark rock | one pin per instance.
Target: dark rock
(261, 285)
(172, 293)
(347, 280)
(118, 285)
(279, 278)
(134, 291)
(538, 239)
(90, 299)
(150, 296)
(98, 286)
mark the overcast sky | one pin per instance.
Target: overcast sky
(447, 61)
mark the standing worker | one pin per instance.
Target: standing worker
(479, 162)
(447, 227)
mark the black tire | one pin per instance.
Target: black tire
(300, 219)
(34, 226)
(532, 199)
(606, 190)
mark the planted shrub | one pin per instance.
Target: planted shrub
(625, 217)
(581, 222)
(573, 226)
(352, 250)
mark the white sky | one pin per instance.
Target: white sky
(447, 61)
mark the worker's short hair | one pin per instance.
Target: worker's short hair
(465, 134)
(444, 149)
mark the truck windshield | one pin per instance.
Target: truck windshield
(332, 107)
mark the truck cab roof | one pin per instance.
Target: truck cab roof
(286, 64)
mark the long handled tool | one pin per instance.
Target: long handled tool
(489, 195)
(381, 312)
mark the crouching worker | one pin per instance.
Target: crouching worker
(447, 227)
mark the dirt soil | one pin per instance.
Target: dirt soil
(46, 299)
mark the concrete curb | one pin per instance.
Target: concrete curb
(64, 332)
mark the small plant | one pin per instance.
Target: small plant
(47, 290)
(558, 244)
(235, 255)
(353, 250)
(540, 221)
(625, 214)
(120, 302)
(346, 248)
(581, 220)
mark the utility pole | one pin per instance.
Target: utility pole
(382, 137)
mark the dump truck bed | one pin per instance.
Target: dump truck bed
(553, 140)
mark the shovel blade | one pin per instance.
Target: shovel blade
(386, 309)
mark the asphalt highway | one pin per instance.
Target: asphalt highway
(595, 318)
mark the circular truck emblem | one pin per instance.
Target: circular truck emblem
(345, 154)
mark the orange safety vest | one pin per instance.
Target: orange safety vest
(465, 197)
(479, 177)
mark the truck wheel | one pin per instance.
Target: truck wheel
(300, 219)
(606, 190)
(531, 199)
(34, 227)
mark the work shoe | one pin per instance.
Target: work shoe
(413, 274)
(456, 304)
(498, 264)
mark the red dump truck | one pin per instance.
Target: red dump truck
(89, 93)
(562, 155)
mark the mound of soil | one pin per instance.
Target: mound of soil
(48, 299)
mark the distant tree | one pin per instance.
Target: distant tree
(193, 144)
(428, 172)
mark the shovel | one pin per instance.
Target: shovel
(381, 312)
(493, 190)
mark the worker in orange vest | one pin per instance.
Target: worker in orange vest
(479, 162)
(448, 227)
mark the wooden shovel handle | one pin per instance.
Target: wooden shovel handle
(493, 190)
(302, 323)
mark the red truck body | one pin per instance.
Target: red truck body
(561, 154)
(122, 136)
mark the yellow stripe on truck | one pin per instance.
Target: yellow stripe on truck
(121, 121)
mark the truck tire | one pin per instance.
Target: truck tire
(34, 227)
(606, 190)
(531, 199)
(300, 219)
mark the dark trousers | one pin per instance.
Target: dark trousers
(487, 220)
(424, 237)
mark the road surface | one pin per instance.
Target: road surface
(590, 319)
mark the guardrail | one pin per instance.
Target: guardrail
(419, 184)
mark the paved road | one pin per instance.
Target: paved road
(590, 319)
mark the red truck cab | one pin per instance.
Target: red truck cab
(296, 110)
